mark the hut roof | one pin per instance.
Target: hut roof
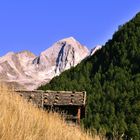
(57, 98)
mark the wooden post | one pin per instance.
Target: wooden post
(78, 115)
(42, 100)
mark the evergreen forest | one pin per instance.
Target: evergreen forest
(111, 78)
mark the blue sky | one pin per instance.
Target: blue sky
(35, 25)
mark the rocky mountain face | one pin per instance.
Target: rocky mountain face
(31, 71)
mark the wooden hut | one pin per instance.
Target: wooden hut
(68, 103)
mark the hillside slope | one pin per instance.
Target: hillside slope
(20, 120)
(112, 80)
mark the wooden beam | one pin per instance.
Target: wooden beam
(42, 100)
(79, 115)
(85, 95)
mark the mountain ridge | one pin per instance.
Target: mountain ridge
(31, 71)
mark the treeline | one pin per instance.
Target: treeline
(112, 80)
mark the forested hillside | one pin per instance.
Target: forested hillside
(112, 80)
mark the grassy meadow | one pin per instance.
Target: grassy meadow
(20, 120)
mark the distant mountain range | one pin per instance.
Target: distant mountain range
(31, 71)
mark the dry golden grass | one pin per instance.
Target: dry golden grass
(20, 120)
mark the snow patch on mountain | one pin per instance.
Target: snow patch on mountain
(98, 47)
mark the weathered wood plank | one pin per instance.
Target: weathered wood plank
(69, 102)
